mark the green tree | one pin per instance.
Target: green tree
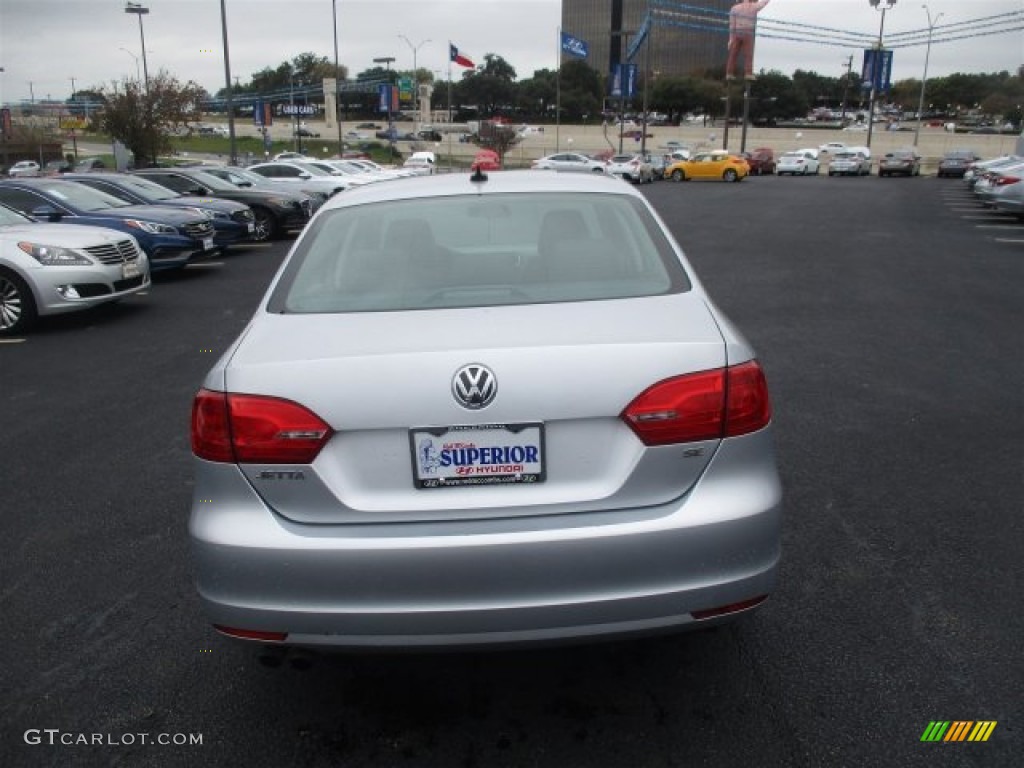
(536, 97)
(497, 67)
(143, 121)
(677, 96)
(816, 90)
(582, 91)
(490, 87)
(777, 97)
(306, 67)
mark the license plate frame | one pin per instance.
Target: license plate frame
(511, 454)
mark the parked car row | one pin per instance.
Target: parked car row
(83, 239)
(999, 184)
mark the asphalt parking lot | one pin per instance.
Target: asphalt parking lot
(888, 316)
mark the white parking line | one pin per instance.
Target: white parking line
(999, 226)
(1007, 240)
(204, 265)
(247, 246)
(11, 341)
(985, 217)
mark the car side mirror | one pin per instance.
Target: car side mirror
(305, 175)
(47, 212)
(199, 191)
(243, 183)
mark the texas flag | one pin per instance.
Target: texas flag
(458, 58)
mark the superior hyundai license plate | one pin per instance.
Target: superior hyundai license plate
(481, 454)
(130, 269)
(207, 243)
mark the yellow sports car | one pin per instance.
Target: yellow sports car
(717, 164)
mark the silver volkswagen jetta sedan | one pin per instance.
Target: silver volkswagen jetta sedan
(479, 411)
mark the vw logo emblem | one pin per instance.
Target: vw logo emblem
(474, 386)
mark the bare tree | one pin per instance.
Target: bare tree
(144, 121)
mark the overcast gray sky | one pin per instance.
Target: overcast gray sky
(47, 42)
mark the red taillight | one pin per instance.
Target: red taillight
(1002, 181)
(709, 405)
(211, 435)
(748, 407)
(252, 634)
(255, 429)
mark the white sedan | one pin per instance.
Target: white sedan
(24, 168)
(419, 166)
(798, 162)
(833, 147)
(570, 161)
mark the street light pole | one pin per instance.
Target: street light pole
(337, 77)
(138, 72)
(415, 74)
(227, 83)
(889, 5)
(924, 79)
(140, 10)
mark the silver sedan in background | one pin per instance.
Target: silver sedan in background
(570, 161)
(482, 411)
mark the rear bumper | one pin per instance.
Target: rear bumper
(481, 583)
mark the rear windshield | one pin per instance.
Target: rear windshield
(501, 250)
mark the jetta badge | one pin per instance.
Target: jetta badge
(474, 386)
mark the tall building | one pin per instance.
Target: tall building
(687, 38)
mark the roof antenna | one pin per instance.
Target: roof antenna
(478, 175)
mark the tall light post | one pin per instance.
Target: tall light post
(624, 35)
(138, 72)
(876, 4)
(337, 76)
(227, 83)
(296, 137)
(140, 10)
(415, 74)
(386, 61)
(924, 79)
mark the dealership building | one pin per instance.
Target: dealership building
(685, 39)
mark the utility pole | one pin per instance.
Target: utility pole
(74, 139)
(875, 70)
(846, 85)
(924, 79)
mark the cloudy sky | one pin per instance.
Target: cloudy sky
(47, 42)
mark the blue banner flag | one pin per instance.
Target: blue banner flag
(623, 81)
(876, 71)
(574, 46)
